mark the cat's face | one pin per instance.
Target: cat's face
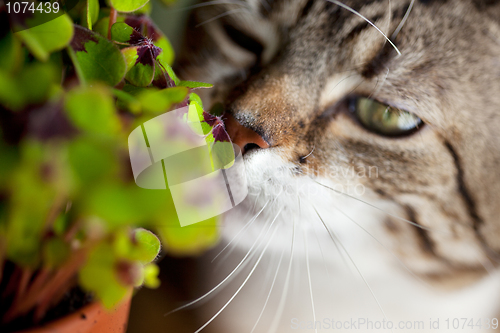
(414, 134)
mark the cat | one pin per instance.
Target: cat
(369, 131)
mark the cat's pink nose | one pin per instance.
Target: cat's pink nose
(242, 136)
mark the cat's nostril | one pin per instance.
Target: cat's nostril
(246, 138)
(250, 146)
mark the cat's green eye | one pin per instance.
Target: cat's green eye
(384, 119)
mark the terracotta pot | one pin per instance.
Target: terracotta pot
(93, 318)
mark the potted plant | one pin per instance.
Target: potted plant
(76, 233)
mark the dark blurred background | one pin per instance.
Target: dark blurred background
(149, 306)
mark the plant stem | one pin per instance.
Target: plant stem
(64, 273)
(26, 275)
(62, 281)
(112, 20)
(40, 280)
(2, 257)
(78, 69)
(72, 230)
(45, 303)
(57, 207)
(12, 284)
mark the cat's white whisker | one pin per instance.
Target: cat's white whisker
(250, 253)
(257, 196)
(312, 151)
(403, 21)
(321, 252)
(247, 225)
(340, 81)
(487, 264)
(216, 17)
(379, 242)
(354, 264)
(249, 274)
(338, 3)
(228, 253)
(270, 291)
(281, 305)
(377, 87)
(331, 236)
(380, 209)
(309, 278)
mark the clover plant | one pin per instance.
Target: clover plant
(73, 85)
